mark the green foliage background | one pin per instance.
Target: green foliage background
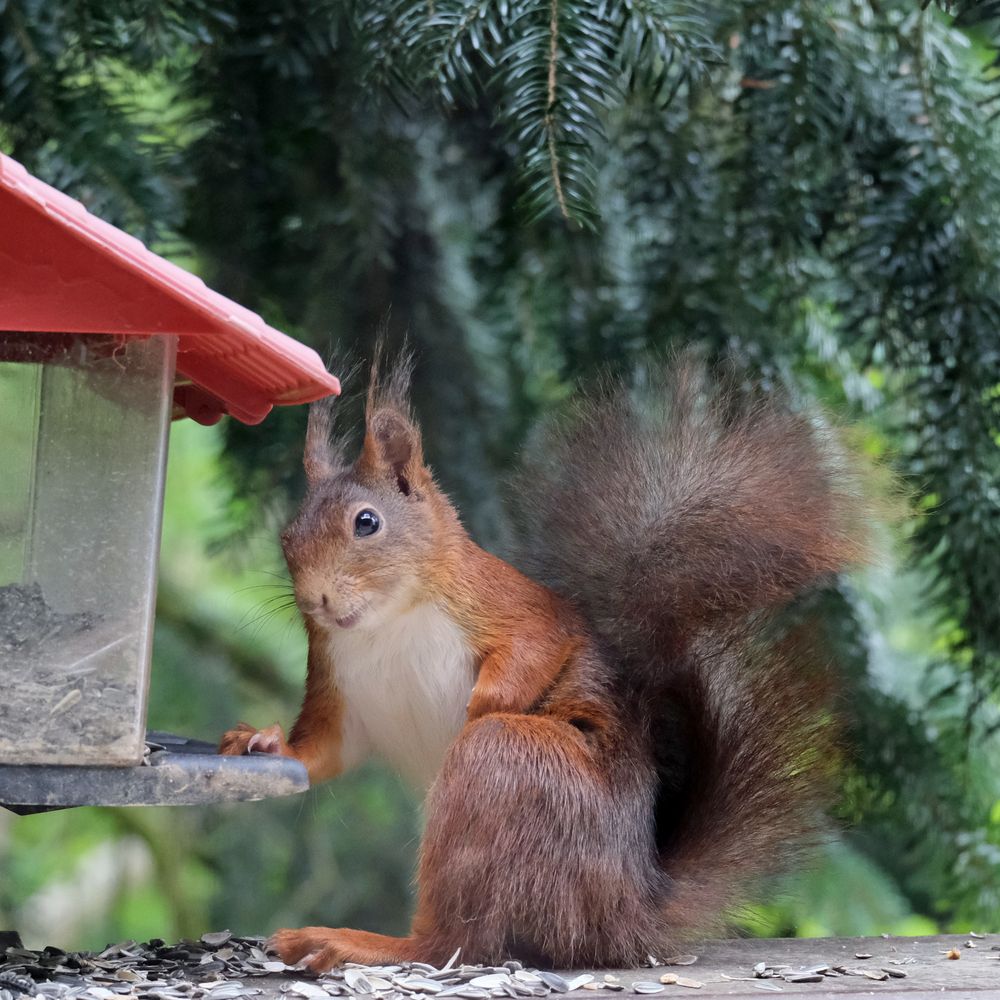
(534, 191)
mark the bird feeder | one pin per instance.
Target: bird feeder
(102, 343)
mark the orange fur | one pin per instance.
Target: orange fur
(315, 738)
(523, 634)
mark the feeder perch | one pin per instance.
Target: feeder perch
(101, 343)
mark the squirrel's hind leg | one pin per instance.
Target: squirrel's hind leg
(539, 845)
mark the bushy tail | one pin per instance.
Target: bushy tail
(677, 518)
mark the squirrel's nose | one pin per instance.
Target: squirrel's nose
(310, 605)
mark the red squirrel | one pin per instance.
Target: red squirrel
(613, 748)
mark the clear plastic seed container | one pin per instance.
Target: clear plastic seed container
(83, 439)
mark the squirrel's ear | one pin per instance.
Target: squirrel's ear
(392, 450)
(320, 458)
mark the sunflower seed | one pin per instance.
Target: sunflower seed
(12, 982)
(227, 991)
(554, 982)
(646, 986)
(418, 984)
(579, 981)
(681, 960)
(521, 989)
(216, 938)
(303, 989)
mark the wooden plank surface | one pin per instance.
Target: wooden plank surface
(726, 968)
(230, 967)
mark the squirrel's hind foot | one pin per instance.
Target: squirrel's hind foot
(325, 948)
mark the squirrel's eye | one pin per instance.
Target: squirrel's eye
(366, 523)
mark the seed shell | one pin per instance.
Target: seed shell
(554, 982)
(216, 938)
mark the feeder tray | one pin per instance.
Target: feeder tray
(102, 343)
(175, 771)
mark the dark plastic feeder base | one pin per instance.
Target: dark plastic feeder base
(177, 772)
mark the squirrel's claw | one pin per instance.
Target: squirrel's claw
(244, 739)
(270, 740)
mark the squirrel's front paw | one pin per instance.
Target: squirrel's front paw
(247, 739)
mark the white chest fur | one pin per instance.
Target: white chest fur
(406, 685)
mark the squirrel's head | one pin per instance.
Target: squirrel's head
(365, 540)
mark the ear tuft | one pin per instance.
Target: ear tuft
(320, 458)
(392, 448)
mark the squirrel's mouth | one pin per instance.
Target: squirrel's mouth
(348, 621)
(324, 612)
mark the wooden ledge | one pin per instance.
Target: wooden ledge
(920, 968)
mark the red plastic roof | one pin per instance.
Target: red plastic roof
(63, 270)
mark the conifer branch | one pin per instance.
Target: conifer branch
(454, 40)
(550, 123)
